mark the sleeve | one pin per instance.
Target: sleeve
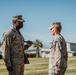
(6, 50)
(57, 55)
(26, 47)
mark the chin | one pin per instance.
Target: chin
(21, 26)
(53, 34)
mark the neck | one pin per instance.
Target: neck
(17, 28)
(57, 34)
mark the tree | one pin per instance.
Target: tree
(38, 44)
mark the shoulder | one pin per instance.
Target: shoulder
(59, 38)
(8, 33)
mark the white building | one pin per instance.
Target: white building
(45, 53)
(71, 48)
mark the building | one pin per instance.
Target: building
(31, 53)
(45, 53)
(71, 48)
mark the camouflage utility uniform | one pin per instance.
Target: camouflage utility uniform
(58, 56)
(13, 51)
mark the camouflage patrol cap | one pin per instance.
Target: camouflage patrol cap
(55, 24)
(18, 18)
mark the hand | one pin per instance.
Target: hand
(29, 43)
(56, 72)
(9, 68)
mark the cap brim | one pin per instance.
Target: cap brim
(51, 27)
(21, 20)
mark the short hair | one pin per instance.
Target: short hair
(59, 28)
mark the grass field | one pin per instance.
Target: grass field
(39, 66)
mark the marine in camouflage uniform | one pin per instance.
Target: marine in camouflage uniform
(13, 49)
(58, 52)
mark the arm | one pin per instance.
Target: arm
(6, 50)
(57, 56)
(28, 44)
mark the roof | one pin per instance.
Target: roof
(71, 42)
(45, 50)
(71, 51)
(30, 50)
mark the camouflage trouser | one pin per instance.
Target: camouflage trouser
(62, 72)
(17, 70)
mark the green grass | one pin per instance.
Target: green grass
(39, 66)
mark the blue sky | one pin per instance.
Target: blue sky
(38, 15)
